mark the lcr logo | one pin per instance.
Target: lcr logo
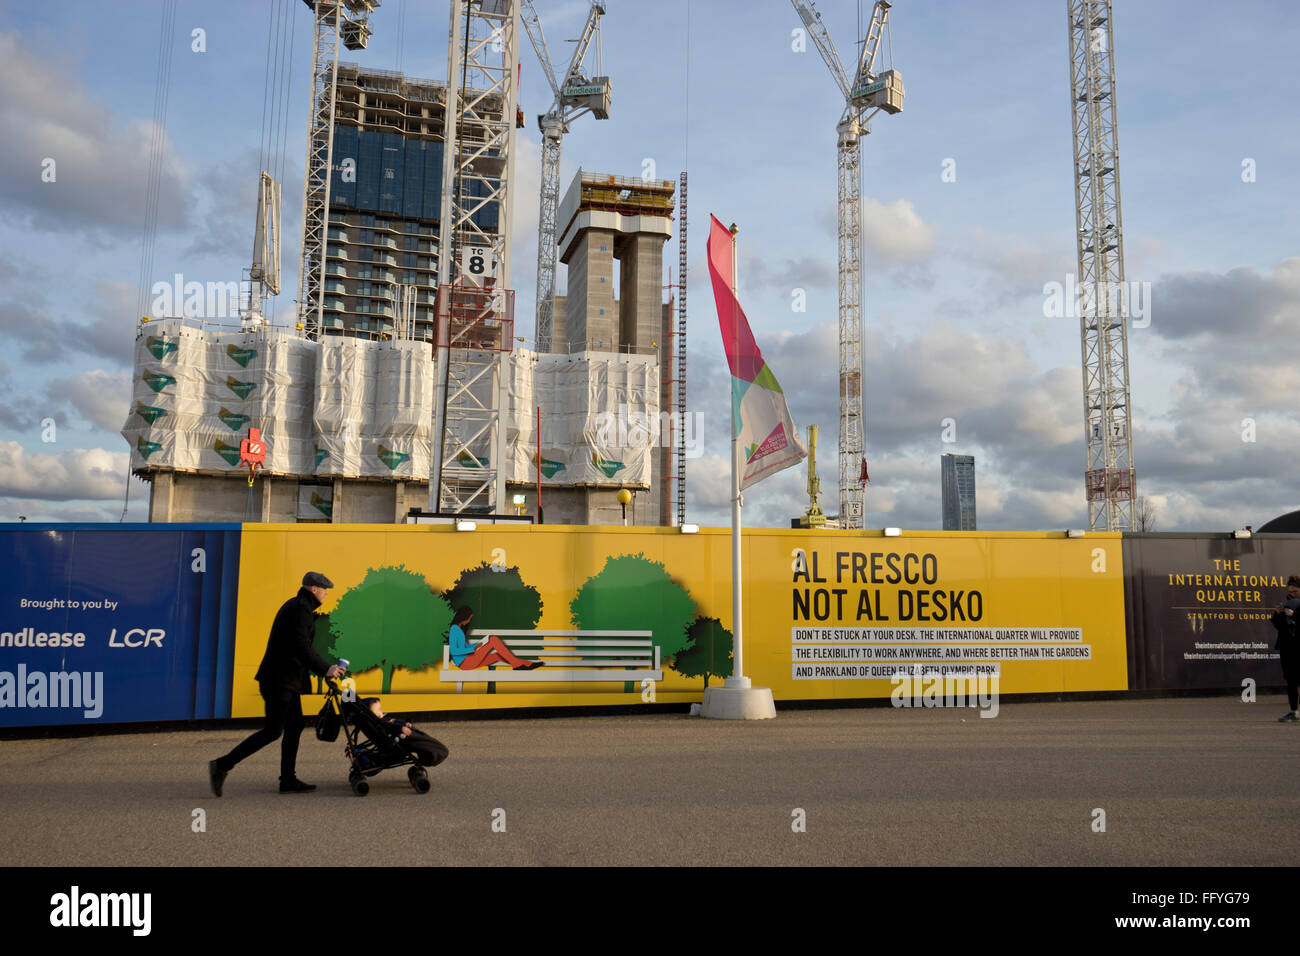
(137, 637)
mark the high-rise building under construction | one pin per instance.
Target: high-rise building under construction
(384, 203)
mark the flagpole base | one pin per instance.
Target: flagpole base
(736, 699)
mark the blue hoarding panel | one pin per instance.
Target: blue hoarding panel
(113, 623)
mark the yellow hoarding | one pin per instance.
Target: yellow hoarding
(826, 615)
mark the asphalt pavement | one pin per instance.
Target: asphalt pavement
(1203, 781)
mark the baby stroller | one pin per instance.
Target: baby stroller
(372, 746)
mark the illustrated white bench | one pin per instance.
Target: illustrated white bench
(565, 656)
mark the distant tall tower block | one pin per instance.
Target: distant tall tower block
(958, 474)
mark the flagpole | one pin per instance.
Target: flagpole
(737, 678)
(736, 699)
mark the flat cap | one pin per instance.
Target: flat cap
(314, 579)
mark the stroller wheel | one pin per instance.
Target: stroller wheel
(419, 779)
(359, 785)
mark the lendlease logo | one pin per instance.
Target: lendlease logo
(75, 909)
(54, 690)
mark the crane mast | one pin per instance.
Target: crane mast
(475, 321)
(264, 275)
(1110, 481)
(868, 93)
(574, 95)
(345, 22)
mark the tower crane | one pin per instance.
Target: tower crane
(574, 96)
(1110, 483)
(337, 22)
(866, 94)
(264, 275)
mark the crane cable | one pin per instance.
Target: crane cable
(401, 31)
(276, 90)
(153, 182)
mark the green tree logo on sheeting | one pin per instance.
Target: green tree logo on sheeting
(466, 460)
(324, 505)
(231, 420)
(158, 347)
(392, 458)
(708, 651)
(150, 413)
(633, 593)
(242, 389)
(146, 448)
(390, 620)
(321, 454)
(608, 468)
(242, 356)
(228, 452)
(549, 467)
(157, 381)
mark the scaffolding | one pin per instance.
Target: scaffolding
(1110, 481)
(337, 22)
(679, 365)
(476, 308)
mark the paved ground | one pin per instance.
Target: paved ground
(1187, 781)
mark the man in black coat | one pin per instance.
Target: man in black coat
(1288, 646)
(283, 679)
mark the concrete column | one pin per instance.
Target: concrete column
(264, 497)
(161, 491)
(336, 511)
(590, 314)
(559, 324)
(641, 266)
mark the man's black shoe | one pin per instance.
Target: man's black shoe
(216, 777)
(296, 786)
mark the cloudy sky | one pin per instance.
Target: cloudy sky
(957, 324)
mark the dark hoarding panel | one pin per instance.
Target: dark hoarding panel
(1198, 609)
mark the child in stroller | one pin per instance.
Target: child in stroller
(378, 742)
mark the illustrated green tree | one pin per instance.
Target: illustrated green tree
(390, 620)
(633, 593)
(707, 652)
(499, 598)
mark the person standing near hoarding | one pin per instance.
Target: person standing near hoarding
(283, 679)
(1285, 619)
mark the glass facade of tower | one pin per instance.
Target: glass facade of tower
(958, 478)
(386, 202)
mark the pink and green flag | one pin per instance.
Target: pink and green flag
(768, 439)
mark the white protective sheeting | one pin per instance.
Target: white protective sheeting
(342, 407)
(600, 417)
(373, 412)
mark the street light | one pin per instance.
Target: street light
(624, 496)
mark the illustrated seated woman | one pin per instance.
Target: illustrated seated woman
(467, 656)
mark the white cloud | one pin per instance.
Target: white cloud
(77, 474)
(99, 396)
(100, 161)
(895, 232)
